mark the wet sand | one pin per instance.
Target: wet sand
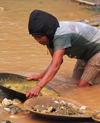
(21, 54)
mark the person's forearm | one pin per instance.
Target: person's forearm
(52, 70)
(44, 72)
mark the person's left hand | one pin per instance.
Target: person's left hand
(34, 92)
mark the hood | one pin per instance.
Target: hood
(42, 23)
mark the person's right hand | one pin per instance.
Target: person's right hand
(34, 92)
(34, 77)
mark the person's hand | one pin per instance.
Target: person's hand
(34, 77)
(34, 92)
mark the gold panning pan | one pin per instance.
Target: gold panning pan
(46, 100)
(96, 116)
(18, 86)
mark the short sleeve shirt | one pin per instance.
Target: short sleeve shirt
(79, 40)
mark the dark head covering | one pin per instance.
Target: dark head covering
(42, 23)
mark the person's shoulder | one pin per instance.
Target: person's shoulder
(64, 28)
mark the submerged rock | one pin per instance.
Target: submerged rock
(16, 101)
(6, 102)
(15, 110)
(84, 21)
(6, 121)
(95, 23)
(7, 109)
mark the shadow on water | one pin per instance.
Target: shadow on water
(58, 120)
(37, 119)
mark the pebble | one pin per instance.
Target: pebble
(16, 101)
(7, 109)
(5, 121)
(83, 107)
(6, 102)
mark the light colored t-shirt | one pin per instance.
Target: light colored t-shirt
(79, 40)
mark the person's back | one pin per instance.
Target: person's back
(80, 40)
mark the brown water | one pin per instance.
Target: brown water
(21, 54)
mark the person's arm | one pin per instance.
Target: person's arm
(83, 83)
(54, 67)
(52, 52)
(52, 70)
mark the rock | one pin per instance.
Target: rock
(5, 121)
(6, 102)
(16, 101)
(15, 110)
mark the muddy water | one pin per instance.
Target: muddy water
(21, 54)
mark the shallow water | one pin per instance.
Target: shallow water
(21, 54)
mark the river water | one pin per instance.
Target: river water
(21, 54)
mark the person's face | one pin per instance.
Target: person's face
(44, 40)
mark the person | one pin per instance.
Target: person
(74, 39)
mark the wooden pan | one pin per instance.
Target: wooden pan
(45, 100)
